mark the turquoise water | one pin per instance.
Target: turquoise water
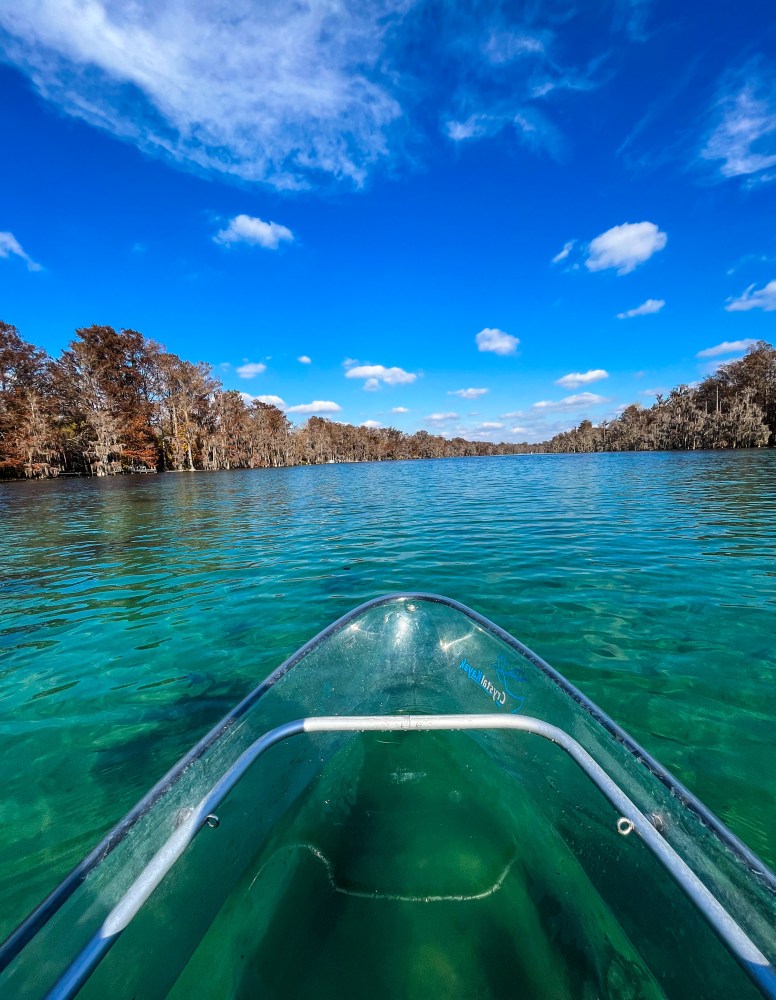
(135, 612)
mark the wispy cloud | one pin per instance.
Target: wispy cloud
(266, 92)
(625, 247)
(247, 229)
(298, 94)
(761, 298)
(372, 424)
(11, 247)
(495, 341)
(251, 369)
(742, 136)
(505, 46)
(468, 393)
(726, 347)
(750, 259)
(438, 418)
(317, 406)
(304, 359)
(510, 64)
(375, 375)
(272, 401)
(532, 128)
(563, 254)
(631, 15)
(400, 409)
(645, 309)
(575, 379)
(578, 401)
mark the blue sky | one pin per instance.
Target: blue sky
(567, 204)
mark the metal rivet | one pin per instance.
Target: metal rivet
(658, 821)
(624, 826)
(212, 821)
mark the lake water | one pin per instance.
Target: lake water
(134, 612)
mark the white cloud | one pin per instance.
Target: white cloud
(372, 424)
(441, 417)
(650, 306)
(571, 402)
(726, 347)
(271, 401)
(468, 393)
(574, 379)
(763, 298)
(317, 406)
(496, 341)
(490, 425)
(518, 430)
(563, 254)
(375, 374)
(272, 92)
(247, 229)
(9, 245)
(304, 359)
(743, 136)
(251, 369)
(400, 409)
(624, 247)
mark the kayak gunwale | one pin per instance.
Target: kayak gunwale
(38, 918)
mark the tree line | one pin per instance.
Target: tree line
(735, 407)
(115, 401)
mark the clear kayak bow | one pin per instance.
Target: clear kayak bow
(414, 801)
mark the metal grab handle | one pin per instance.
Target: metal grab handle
(743, 949)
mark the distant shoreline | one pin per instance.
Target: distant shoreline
(86, 477)
(117, 403)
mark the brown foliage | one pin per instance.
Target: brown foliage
(117, 402)
(733, 408)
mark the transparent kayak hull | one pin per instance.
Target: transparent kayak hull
(479, 829)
